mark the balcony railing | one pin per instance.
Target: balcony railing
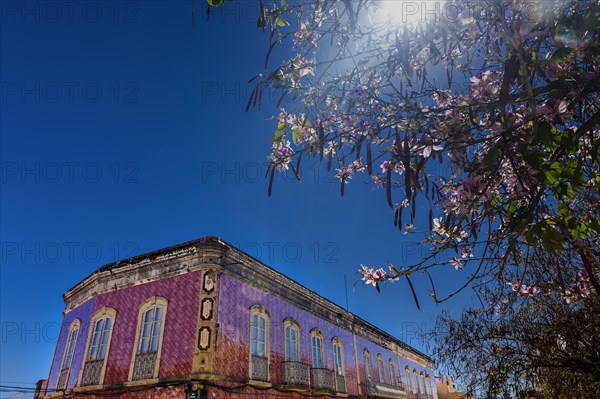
(260, 368)
(91, 372)
(383, 390)
(144, 366)
(296, 374)
(62, 379)
(322, 379)
(340, 383)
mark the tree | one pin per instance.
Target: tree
(489, 111)
(522, 341)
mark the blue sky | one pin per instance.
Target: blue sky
(123, 131)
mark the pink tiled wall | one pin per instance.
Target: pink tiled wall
(180, 324)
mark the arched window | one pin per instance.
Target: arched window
(259, 343)
(68, 354)
(292, 340)
(368, 365)
(145, 362)
(393, 378)
(424, 389)
(97, 347)
(316, 339)
(338, 364)
(417, 384)
(380, 368)
(338, 356)
(409, 380)
(428, 384)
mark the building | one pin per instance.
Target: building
(446, 388)
(203, 319)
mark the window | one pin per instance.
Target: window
(338, 365)
(67, 361)
(408, 379)
(97, 347)
(428, 385)
(151, 325)
(317, 349)
(259, 343)
(380, 368)
(417, 385)
(145, 362)
(68, 358)
(100, 339)
(392, 373)
(292, 340)
(259, 335)
(338, 357)
(368, 365)
(424, 389)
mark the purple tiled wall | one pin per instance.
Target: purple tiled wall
(83, 313)
(234, 301)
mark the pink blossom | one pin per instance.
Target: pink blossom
(386, 166)
(457, 263)
(371, 276)
(466, 252)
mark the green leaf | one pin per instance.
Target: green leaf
(215, 3)
(552, 240)
(490, 160)
(581, 230)
(281, 22)
(278, 135)
(296, 133)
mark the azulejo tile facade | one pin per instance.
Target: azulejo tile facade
(203, 319)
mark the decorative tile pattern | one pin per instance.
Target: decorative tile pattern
(232, 352)
(143, 368)
(260, 368)
(296, 374)
(322, 379)
(91, 372)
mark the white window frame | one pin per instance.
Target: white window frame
(338, 356)
(149, 304)
(259, 312)
(104, 313)
(291, 343)
(316, 344)
(368, 365)
(380, 368)
(392, 367)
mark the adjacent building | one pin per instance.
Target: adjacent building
(203, 319)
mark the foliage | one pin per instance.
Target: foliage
(487, 112)
(518, 342)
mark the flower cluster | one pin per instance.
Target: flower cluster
(281, 155)
(525, 290)
(456, 233)
(345, 173)
(306, 35)
(298, 67)
(579, 289)
(372, 276)
(485, 86)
